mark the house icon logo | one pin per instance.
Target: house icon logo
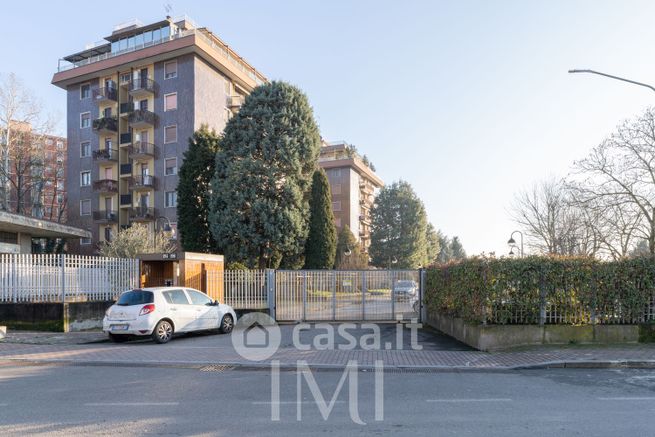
(256, 336)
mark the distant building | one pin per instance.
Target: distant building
(353, 185)
(36, 185)
(133, 102)
(18, 233)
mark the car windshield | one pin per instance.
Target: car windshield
(136, 297)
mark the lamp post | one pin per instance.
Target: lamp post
(512, 243)
(614, 77)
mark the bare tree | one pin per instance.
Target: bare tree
(551, 223)
(23, 128)
(618, 179)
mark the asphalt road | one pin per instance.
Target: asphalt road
(82, 400)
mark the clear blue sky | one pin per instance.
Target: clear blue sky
(467, 100)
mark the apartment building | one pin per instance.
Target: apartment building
(133, 101)
(35, 183)
(354, 185)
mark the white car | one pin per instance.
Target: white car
(162, 311)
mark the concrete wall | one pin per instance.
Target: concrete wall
(54, 316)
(495, 337)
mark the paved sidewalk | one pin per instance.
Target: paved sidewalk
(60, 338)
(181, 353)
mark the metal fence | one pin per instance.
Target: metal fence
(242, 289)
(347, 295)
(64, 278)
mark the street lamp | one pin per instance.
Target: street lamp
(512, 243)
(614, 77)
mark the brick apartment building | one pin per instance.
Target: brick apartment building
(353, 185)
(36, 183)
(132, 103)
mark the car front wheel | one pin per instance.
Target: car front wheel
(227, 324)
(163, 332)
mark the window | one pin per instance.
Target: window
(85, 207)
(8, 237)
(176, 297)
(337, 222)
(85, 178)
(85, 149)
(336, 189)
(336, 206)
(173, 231)
(107, 234)
(170, 134)
(60, 144)
(85, 91)
(336, 173)
(198, 298)
(170, 70)
(170, 102)
(125, 78)
(60, 199)
(85, 120)
(85, 241)
(135, 297)
(171, 199)
(170, 166)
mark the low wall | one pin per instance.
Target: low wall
(495, 337)
(53, 316)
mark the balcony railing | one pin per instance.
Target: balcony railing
(141, 150)
(125, 138)
(106, 124)
(105, 216)
(142, 117)
(142, 85)
(126, 199)
(142, 182)
(106, 93)
(142, 213)
(105, 155)
(106, 186)
(125, 108)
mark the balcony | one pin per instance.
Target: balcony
(125, 170)
(142, 183)
(125, 200)
(105, 155)
(142, 214)
(141, 118)
(141, 87)
(105, 186)
(235, 102)
(106, 125)
(125, 109)
(141, 150)
(125, 138)
(105, 94)
(105, 216)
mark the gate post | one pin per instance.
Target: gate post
(270, 292)
(62, 259)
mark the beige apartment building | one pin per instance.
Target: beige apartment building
(353, 185)
(133, 101)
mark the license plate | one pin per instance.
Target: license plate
(118, 327)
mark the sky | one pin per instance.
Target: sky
(469, 101)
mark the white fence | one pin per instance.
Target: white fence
(242, 289)
(65, 278)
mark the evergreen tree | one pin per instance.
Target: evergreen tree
(398, 228)
(457, 249)
(321, 243)
(349, 255)
(193, 191)
(432, 241)
(445, 250)
(259, 213)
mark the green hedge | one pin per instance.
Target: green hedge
(540, 290)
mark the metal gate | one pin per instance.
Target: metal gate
(347, 295)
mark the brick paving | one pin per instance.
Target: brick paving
(179, 353)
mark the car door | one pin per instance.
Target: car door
(206, 314)
(180, 310)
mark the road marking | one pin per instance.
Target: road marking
(130, 404)
(644, 398)
(289, 402)
(471, 400)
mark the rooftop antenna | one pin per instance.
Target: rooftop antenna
(168, 8)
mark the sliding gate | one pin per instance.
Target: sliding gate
(347, 295)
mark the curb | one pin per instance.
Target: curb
(256, 366)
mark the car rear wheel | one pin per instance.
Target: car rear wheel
(118, 338)
(227, 324)
(163, 332)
